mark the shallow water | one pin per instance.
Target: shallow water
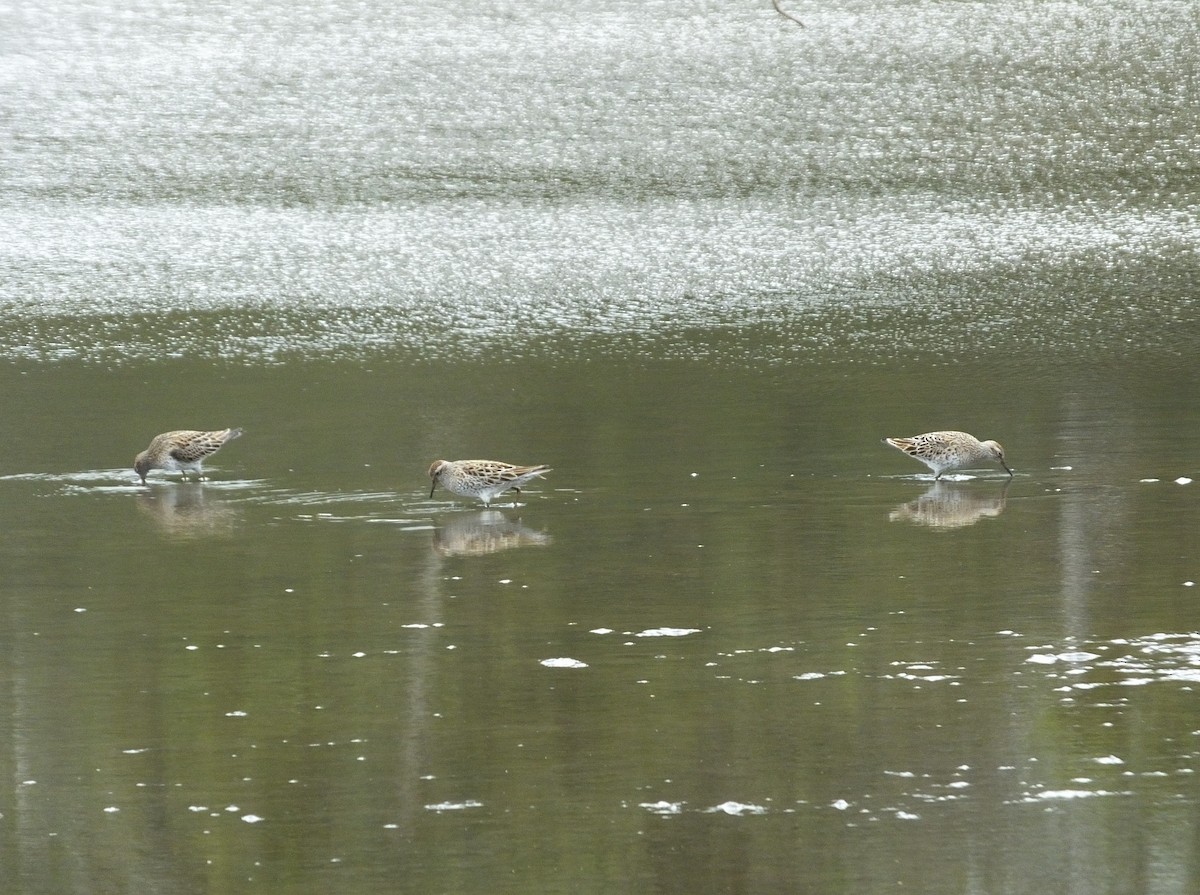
(698, 260)
(714, 629)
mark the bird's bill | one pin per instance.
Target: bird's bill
(1006, 469)
(432, 489)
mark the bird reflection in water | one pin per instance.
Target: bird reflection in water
(489, 531)
(187, 510)
(945, 506)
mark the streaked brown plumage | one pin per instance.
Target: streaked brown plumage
(485, 479)
(183, 450)
(945, 450)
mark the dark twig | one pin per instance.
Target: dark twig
(787, 15)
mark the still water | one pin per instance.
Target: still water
(697, 259)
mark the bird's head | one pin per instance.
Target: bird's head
(997, 453)
(435, 470)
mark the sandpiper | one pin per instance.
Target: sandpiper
(485, 479)
(183, 450)
(941, 451)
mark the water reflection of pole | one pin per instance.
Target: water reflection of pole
(33, 841)
(1084, 540)
(463, 534)
(415, 713)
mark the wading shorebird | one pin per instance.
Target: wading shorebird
(485, 479)
(183, 450)
(941, 451)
